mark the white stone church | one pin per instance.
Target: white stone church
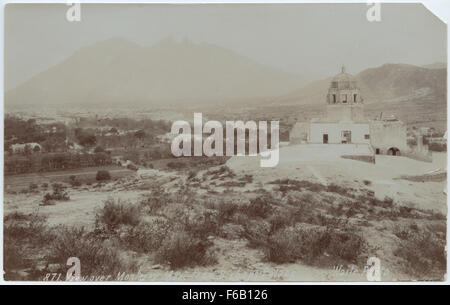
(345, 123)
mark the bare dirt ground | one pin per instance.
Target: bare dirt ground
(78, 211)
(238, 263)
(297, 162)
(235, 260)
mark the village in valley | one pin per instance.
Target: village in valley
(115, 174)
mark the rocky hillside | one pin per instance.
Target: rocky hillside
(388, 83)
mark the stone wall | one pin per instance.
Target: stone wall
(388, 134)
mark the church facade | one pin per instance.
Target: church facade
(345, 123)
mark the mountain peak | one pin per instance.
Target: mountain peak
(119, 71)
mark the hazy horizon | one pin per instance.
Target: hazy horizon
(310, 40)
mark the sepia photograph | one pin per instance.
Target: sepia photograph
(224, 142)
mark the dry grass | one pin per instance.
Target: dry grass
(423, 252)
(299, 221)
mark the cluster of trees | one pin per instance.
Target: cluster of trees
(56, 137)
(155, 127)
(139, 139)
(56, 140)
(85, 137)
(51, 136)
(22, 131)
(52, 162)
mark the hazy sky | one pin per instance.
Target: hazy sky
(306, 39)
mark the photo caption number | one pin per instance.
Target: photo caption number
(242, 294)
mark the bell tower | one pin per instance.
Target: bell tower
(344, 101)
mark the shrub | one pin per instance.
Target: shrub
(201, 225)
(288, 245)
(345, 245)
(103, 175)
(401, 233)
(58, 194)
(192, 175)
(47, 199)
(285, 185)
(74, 181)
(221, 172)
(257, 233)
(33, 187)
(95, 256)
(247, 178)
(132, 167)
(388, 202)
(181, 249)
(155, 200)
(23, 233)
(334, 188)
(19, 227)
(146, 237)
(113, 214)
(99, 149)
(336, 210)
(233, 184)
(12, 258)
(424, 253)
(226, 210)
(260, 206)
(310, 244)
(350, 212)
(280, 220)
(176, 165)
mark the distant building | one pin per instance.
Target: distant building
(427, 131)
(118, 160)
(345, 123)
(22, 148)
(437, 140)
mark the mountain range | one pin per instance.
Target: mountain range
(117, 71)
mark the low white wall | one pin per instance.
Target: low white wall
(334, 131)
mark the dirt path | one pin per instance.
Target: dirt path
(79, 211)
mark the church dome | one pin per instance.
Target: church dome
(343, 81)
(343, 90)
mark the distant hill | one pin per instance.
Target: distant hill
(416, 95)
(436, 65)
(117, 71)
(397, 82)
(388, 83)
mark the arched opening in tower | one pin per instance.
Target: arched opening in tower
(394, 151)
